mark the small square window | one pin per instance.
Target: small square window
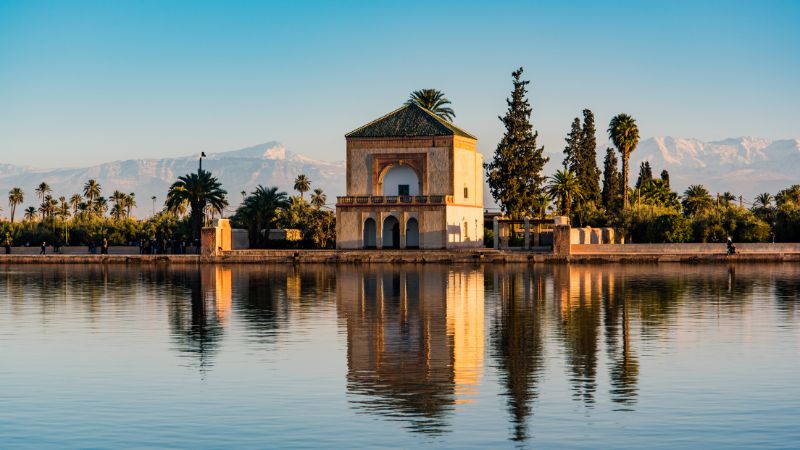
(402, 189)
(466, 192)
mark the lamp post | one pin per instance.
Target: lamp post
(200, 165)
(153, 198)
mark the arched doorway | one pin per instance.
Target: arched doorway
(400, 180)
(370, 233)
(412, 233)
(391, 232)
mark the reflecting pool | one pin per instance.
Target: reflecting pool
(701, 356)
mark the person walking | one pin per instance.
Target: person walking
(7, 243)
(104, 247)
(43, 251)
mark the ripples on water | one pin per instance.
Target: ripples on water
(494, 356)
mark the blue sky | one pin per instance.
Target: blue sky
(85, 82)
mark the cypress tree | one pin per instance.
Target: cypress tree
(588, 172)
(573, 149)
(645, 174)
(515, 173)
(611, 181)
(665, 177)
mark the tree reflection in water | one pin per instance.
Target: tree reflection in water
(516, 336)
(195, 327)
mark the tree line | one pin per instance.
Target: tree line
(192, 201)
(649, 211)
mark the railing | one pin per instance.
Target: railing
(394, 199)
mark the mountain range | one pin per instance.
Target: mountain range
(269, 164)
(744, 166)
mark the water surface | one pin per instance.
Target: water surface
(245, 356)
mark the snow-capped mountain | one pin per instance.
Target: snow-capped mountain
(744, 166)
(269, 164)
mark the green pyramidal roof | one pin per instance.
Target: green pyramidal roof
(410, 120)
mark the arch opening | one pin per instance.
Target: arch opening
(370, 233)
(412, 233)
(391, 232)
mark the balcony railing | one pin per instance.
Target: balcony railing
(394, 199)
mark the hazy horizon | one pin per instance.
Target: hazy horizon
(89, 82)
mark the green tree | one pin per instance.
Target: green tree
(434, 101)
(696, 199)
(15, 197)
(611, 182)
(75, 200)
(42, 190)
(573, 148)
(566, 187)
(91, 190)
(259, 210)
(130, 203)
(318, 199)
(645, 174)
(302, 184)
(515, 172)
(665, 176)
(789, 195)
(30, 214)
(198, 191)
(625, 135)
(580, 157)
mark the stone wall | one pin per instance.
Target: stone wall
(683, 249)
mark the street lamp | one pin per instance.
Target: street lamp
(153, 198)
(200, 166)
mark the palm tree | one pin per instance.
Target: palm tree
(91, 190)
(434, 101)
(302, 184)
(726, 198)
(763, 201)
(260, 209)
(625, 135)
(30, 214)
(130, 203)
(198, 190)
(696, 199)
(788, 195)
(75, 200)
(15, 197)
(63, 208)
(42, 190)
(540, 204)
(117, 211)
(318, 199)
(99, 206)
(565, 186)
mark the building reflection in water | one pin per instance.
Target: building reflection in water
(414, 341)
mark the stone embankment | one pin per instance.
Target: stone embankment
(636, 254)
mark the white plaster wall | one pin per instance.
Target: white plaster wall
(459, 216)
(398, 175)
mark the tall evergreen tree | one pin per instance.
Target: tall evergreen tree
(611, 181)
(645, 174)
(573, 147)
(588, 172)
(515, 173)
(665, 177)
